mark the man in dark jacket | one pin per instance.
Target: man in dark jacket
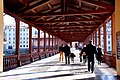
(67, 54)
(90, 50)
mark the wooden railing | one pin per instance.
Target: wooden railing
(25, 59)
(110, 60)
(11, 62)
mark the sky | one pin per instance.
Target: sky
(8, 20)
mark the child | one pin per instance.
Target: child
(72, 55)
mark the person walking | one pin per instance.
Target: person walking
(67, 54)
(90, 50)
(61, 49)
(72, 55)
(99, 55)
(83, 54)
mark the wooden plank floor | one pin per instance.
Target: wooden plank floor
(51, 69)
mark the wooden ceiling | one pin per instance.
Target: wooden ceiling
(70, 20)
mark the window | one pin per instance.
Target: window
(102, 40)
(13, 42)
(9, 42)
(108, 42)
(23, 45)
(9, 38)
(9, 47)
(23, 41)
(108, 47)
(109, 36)
(26, 45)
(13, 38)
(103, 46)
(13, 34)
(20, 45)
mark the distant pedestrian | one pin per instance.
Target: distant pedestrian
(67, 54)
(83, 54)
(90, 50)
(99, 55)
(72, 55)
(61, 49)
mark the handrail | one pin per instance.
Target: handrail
(11, 61)
(110, 59)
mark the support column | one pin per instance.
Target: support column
(95, 37)
(55, 43)
(113, 35)
(70, 44)
(44, 41)
(99, 37)
(104, 34)
(52, 42)
(38, 41)
(1, 35)
(30, 42)
(117, 28)
(18, 42)
(49, 42)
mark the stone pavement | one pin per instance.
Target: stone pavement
(51, 69)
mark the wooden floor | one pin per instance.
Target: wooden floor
(51, 69)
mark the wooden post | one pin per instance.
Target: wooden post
(30, 42)
(104, 34)
(52, 42)
(95, 37)
(1, 35)
(18, 41)
(49, 42)
(117, 28)
(38, 41)
(99, 37)
(44, 41)
(113, 35)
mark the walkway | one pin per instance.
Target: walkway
(51, 69)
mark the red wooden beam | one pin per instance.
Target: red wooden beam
(27, 8)
(63, 21)
(98, 4)
(63, 26)
(86, 28)
(99, 11)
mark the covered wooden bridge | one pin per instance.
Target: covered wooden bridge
(67, 21)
